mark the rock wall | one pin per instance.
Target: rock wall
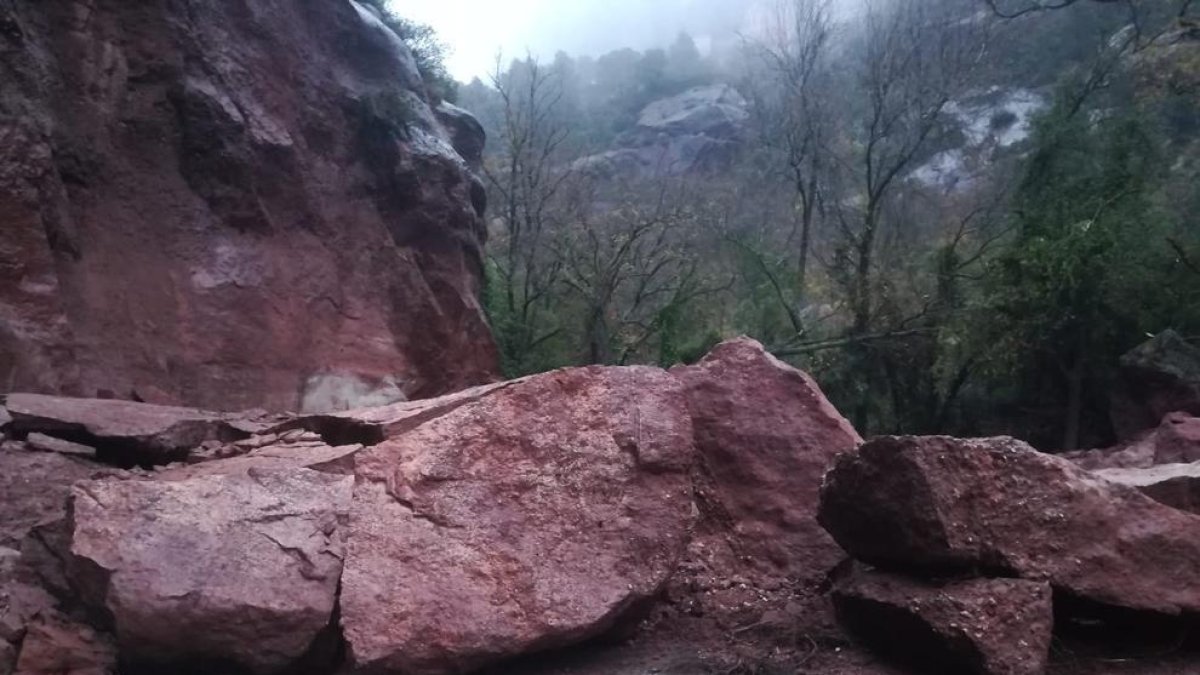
(229, 204)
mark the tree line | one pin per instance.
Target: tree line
(999, 305)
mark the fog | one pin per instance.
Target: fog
(478, 30)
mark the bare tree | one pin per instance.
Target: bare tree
(915, 57)
(527, 178)
(795, 114)
(1148, 20)
(628, 259)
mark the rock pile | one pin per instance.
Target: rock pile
(929, 513)
(429, 537)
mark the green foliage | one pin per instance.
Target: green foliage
(1088, 272)
(427, 48)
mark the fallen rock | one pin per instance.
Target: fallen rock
(1175, 441)
(1158, 377)
(125, 432)
(765, 436)
(34, 488)
(45, 443)
(983, 626)
(5, 418)
(233, 571)
(945, 504)
(1176, 485)
(57, 645)
(531, 517)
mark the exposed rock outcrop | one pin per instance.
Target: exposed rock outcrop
(534, 516)
(697, 131)
(231, 205)
(983, 626)
(944, 504)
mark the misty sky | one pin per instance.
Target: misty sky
(478, 29)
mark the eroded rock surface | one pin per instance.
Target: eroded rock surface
(937, 503)
(223, 571)
(534, 516)
(231, 205)
(983, 626)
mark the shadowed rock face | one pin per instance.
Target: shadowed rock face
(231, 204)
(988, 626)
(938, 504)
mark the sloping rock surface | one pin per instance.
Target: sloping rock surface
(237, 571)
(534, 516)
(938, 503)
(168, 165)
(984, 626)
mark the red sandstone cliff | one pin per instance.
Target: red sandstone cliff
(229, 204)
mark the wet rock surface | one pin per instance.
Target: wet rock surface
(167, 166)
(945, 504)
(536, 516)
(237, 571)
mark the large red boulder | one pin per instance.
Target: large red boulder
(945, 504)
(765, 436)
(980, 626)
(228, 572)
(230, 205)
(531, 516)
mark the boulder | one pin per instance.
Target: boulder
(982, 626)
(1175, 441)
(1158, 377)
(223, 572)
(1176, 485)
(126, 432)
(945, 505)
(231, 205)
(765, 436)
(534, 516)
(34, 488)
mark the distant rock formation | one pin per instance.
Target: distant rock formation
(697, 131)
(232, 205)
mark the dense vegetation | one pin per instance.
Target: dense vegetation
(998, 305)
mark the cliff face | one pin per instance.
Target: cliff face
(230, 204)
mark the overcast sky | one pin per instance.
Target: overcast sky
(479, 29)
